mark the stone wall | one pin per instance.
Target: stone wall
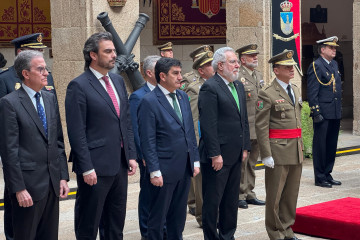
(356, 67)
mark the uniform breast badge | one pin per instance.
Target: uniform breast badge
(242, 80)
(17, 86)
(260, 105)
(283, 115)
(49, 88)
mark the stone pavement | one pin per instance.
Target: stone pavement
(251, 220)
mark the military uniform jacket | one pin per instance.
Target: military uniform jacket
(323, 98)
(252, 87)
(275, 110)
(193, 92)
(189, 78)
(9, 82)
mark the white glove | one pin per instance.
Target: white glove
(268, 161)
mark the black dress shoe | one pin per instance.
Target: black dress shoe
(255, 201)
(334, 182)
(324, 184)
(243, 204)
(293, 238)
(192, 211)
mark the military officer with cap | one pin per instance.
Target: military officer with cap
(253, 81)
(324, 96)
(192, 76)
(166, 50)
(202, 66)
(278, 130)
(10, 82)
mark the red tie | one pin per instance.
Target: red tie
(111, 93)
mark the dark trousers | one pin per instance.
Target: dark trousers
(40, 221)
(168, 204)
(105, 200)
(325, 141)
(144, 199)
(8, 227)
(221, 195)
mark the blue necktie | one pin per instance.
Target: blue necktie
(41, 113)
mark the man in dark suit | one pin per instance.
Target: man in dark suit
(324, 95)
(224, 144)
(102, 142)
(10, 82)
(169, 148)
(135, 98)
(32, 151)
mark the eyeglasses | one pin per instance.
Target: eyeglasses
(41, 70)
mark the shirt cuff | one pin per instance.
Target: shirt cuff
(197, 164)
(88, 172)
(155, 174)
(214, 156)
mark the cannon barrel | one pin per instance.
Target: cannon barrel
(134, 75)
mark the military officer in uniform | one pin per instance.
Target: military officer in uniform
(278, 131)
(10, 82)
(166, 50)
(253, 81)
(2, 62)
(193, 76)
(205, 71)
(324, 95)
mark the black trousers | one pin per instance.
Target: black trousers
(38, 222)
(325, 140)
(106, 201)
(221, 195)
(8, 227)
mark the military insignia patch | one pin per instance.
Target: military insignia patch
(183, 86)
(49, 88)
(260, 105)
(242, 80)
(17, 86)
(189, 97)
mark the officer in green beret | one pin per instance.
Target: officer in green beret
(278, 130)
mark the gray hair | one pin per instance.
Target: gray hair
(92, 45)
(149, 63)
(23, 60)
(220, 56)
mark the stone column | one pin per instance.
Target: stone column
(356, 67)
(73, 21)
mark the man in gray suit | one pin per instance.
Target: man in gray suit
(32, 151)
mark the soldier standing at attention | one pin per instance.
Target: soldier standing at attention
(253, 81)
(205, 71)
(324, 95)
(166, 50)
(278, 130)
(193, 76)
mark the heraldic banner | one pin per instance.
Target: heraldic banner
(286, 32)
(22, 17)
(189, 22)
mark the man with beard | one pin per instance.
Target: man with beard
(102, 142)
(252, 81)
(166, 50)
(224, 144)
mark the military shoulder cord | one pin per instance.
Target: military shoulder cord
(332, 80)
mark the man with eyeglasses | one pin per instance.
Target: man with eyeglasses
(32, 150)
(10, 82)
(324, 95)
(224, 144)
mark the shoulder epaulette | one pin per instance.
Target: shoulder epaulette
(4, 70)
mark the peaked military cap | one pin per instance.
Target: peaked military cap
(196, 53)
(202, 59)
(166, 46)
(331, 41)
(248, 49)
(285, 58)
(29, 41)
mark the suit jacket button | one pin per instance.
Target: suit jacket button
(240, 135)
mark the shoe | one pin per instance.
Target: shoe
(243, 204)
(293, 238)
(324, 184)
(255, 201)
(334, 182)
(192, 211)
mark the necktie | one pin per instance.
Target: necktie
(254, 75)
(290, 94)
(111, 93)
(41, 112)
(176, 106)
(235, 95)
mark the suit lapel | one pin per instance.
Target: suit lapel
(117, 86)
(327, 66)
(30, 109)
(282, 92)
(95, 83)
(227, 91)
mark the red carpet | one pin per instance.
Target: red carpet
(338, 219)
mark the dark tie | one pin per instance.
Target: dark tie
(111, 93)
(41, 112)
(176, 106)
(234, 93)
(289, 93)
